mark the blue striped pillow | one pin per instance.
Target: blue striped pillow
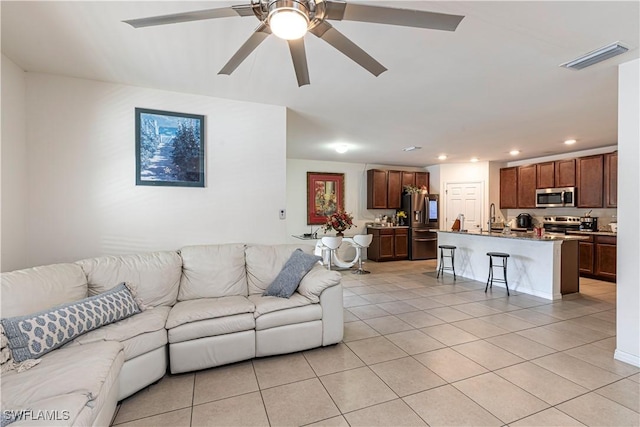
(36, 334)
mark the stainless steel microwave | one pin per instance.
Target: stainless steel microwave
(556, 197)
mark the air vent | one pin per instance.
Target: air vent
(412, 148)
(596, 56)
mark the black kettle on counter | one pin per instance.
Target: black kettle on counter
(524, 220)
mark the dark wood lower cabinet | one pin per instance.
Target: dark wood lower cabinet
(586, 256)
(598, 257)
(401, 243)
(388, 244)
(605, 259)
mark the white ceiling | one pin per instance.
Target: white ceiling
(489, 87)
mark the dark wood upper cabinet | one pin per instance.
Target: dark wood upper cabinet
(376, 189)
(527, 186)
(546, 175)
(509, 188)
(408, 178)
(384, 187)
(394, 189)
(611, 180)
(590, 180)
(422, 178)
(565, 171)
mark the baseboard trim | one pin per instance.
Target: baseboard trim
(631, 359)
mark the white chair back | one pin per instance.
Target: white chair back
(332, 242)
(363, 240)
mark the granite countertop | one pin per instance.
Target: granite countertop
(377, 227)
(518, 235)
(594, 233)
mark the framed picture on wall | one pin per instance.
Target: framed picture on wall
(325, 195)
(169, 148)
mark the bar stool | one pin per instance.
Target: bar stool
(452, 253)
(362, 241)
(490, 280)
(330, 244)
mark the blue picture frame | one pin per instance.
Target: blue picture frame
(169, 148)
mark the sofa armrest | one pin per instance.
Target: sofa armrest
(316, 281)
(332, 315)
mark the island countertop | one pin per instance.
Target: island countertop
(520, 235)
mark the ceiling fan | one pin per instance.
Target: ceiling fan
(291, 19)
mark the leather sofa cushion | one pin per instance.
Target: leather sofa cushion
(75, 405)
(207, 308)
(141, 344)
(70, 370)
(138, 334)
(35, 289)
(266, 305)
(290, 316)
(264, 262)
(212, 327)
(155, 276)
(212, 271)
(316, 281)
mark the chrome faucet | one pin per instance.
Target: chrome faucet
(492, 216)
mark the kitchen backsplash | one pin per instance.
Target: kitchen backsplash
(605, 216)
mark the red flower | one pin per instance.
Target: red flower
(339, 221)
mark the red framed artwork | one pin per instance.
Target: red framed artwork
(325, 195)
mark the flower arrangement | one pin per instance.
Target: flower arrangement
(412, 189)
(401, 214)
(339, 221)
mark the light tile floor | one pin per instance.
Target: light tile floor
(422, 351)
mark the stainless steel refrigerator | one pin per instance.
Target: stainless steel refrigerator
(422, 212)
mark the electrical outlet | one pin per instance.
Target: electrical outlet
(283, 214)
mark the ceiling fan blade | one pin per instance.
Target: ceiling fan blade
(335, 38)
(339, 10)
(258, 36)
(198, 15)
(296, 47)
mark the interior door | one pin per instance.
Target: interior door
(465, 198)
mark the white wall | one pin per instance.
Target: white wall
(355, 181)
(14, 168)
(628, 269)
(83, 200)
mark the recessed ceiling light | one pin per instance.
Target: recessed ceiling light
(474, 159)
(570, 141)
(413, 147)
(514, 152)
(442, 157)
(342, 148)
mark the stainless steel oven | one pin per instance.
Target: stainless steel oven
(556, 197)
(561, 224)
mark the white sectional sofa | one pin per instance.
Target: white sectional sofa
(205, 302)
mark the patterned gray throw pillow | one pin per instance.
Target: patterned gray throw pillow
(36, 334)
(287, 281)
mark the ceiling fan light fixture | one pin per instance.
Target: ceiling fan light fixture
(287, 20)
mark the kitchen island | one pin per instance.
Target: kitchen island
(546, 267)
